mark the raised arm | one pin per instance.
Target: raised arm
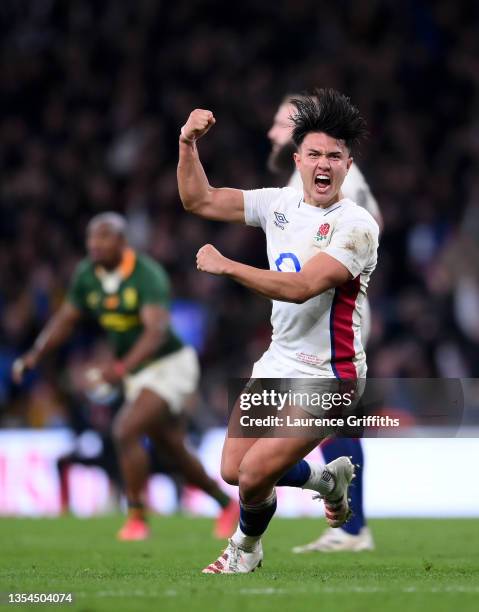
(196, 193)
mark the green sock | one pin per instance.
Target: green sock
(222, 498)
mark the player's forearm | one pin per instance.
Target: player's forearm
(56, 332)
(283, 286)
(193, 183)
(144, 348)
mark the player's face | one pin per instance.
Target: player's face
(280, 132)
(105, 246)
(323, 163)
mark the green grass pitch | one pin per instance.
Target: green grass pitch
(418, 565)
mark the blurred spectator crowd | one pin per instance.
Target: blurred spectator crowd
(92, 97)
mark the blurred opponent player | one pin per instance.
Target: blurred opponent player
(128, 294)
(354, 535)
(322, 250)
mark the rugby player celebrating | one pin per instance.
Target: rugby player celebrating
(322, 249)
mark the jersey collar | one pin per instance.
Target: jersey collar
(111, 281)
(323, 211)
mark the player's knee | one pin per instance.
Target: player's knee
(251, 481)
(229, 474)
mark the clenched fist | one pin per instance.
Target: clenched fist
(22, 364)
(198, 123)
(209, 259)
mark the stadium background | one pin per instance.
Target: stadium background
(92, 96)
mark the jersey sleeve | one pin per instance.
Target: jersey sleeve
(354, 244)
(155, 286)
(256, 205)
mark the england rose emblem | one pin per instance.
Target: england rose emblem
(324, 229)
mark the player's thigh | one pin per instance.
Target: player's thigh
(269, 458)
(146, 413)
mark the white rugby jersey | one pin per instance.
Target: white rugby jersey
(354, 187)
(321, 337)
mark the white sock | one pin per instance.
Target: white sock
(320, 480)
(245, 542)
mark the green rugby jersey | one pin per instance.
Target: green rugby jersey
(115, 300)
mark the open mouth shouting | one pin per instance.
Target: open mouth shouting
(322, 182)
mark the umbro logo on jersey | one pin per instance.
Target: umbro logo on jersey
(280, 220)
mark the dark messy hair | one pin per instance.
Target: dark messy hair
(328, 111)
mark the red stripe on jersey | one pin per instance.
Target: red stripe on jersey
(341, 328)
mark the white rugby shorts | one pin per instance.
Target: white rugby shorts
(174, 378)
